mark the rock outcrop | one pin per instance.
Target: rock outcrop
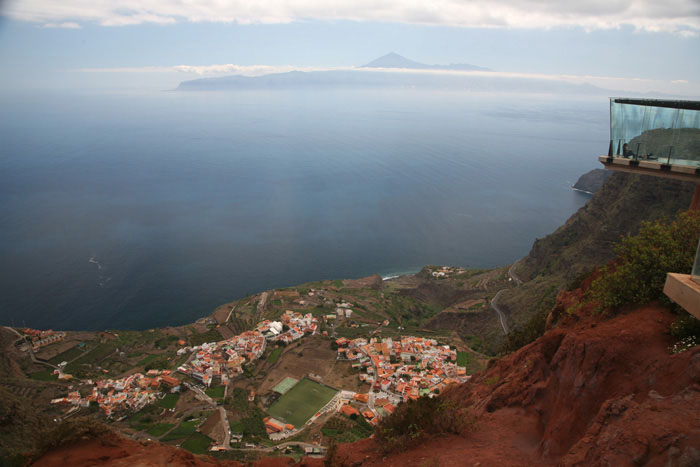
(592, 181)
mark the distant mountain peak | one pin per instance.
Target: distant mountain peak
(394, 60)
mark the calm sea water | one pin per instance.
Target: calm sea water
(134, 211)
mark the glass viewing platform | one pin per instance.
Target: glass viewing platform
(659, 137)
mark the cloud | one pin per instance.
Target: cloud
(191, 71)
(677, 16)
(212, 70)
(64, 25)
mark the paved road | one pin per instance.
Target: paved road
(199, 394)
(282, 446)
(501, 316)
(227, 430)
(494, 302)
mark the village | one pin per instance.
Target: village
(396, 370)
(408, 368)
(120, 396)
(212, 391)
(218, 362)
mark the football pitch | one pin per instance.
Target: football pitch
(301, 402)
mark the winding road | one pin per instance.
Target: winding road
(494, 300)
(501, 316)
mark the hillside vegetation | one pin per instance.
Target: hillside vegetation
(586, 241)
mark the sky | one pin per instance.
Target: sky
(627, 45)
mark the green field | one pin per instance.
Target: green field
(301, 402)
(216, 392)
(197, 444)
(148, 359)
(462, 358)
(70, 354)
(183, 431)
(92, 357)
(274, 355)
(169, 401)
(43, 376)
(159, 429)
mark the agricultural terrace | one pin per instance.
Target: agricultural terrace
(301, 402)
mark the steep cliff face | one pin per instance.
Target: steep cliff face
(592, 181)
(593, 391)
(586, 240)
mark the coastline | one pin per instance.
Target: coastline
(582, 191)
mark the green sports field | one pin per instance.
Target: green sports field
(301, 402)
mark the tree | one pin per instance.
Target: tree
(638, 274)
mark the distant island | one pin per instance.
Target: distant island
(395, 71)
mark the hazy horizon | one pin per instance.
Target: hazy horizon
(632, 45)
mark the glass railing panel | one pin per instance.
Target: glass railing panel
(669, 135)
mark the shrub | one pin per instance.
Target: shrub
(414, 420)
(639, 273)
(686, 330)
(686, 325)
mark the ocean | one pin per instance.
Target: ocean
(137, 210)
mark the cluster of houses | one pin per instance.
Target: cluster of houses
(409, 367)
(219, 361)
(42, 338)
(273, 426)
(374, 412)
(343, 310)
(292, 326)
(446, 271)
(131, 393)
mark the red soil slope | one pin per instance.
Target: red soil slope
(115, 451)
(593, 391)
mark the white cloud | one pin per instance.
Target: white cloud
(608, 82)
(678, 16)
(212, 70)
(64, 25)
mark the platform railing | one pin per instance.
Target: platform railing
(667, 132)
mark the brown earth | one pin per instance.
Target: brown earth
(593, 391)
(311, 354)
(113, 450)
(212, 427)
(371, 282)
(116, 451)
